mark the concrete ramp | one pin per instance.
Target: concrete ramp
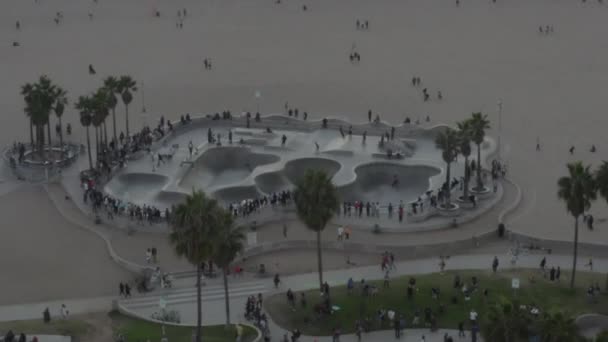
(387, 182)
(295, 169)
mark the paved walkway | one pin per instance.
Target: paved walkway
(214, 312)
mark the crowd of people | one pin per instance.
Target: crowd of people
(248, 207)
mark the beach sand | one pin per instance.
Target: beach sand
(45, 258)
(552, 86)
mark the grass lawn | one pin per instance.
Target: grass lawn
(69, 327)
(135, 330)
(546, 295)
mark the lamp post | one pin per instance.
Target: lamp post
(499, 126)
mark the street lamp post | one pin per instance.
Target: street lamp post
(499, 127)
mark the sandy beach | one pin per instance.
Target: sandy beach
(552, 86)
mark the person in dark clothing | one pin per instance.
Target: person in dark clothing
(495, 264)
(590, 222)
(127, 291)
(121, 288)
(552, 274)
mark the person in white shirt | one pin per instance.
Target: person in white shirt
(340, 232)
(473, 316)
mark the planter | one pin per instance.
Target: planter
(451, 211)
(481, 193)
(464, 203)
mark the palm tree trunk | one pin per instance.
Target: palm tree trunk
(448, 189)
(319, 260)
(89, 149)
(465, 193)
(48, 131)
(114, 124)
(31, 134)
(61, 135)
(105, 133)
(479, 183)
(575, 252)
(127, 119)
(40, 141)
(226, 295)
(96, 145)
(199, 313)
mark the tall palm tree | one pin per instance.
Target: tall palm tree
(61, 101)
(111, 84)
(102, 106)
(464, 147)
(229, 242)
(83, 105)
(39, 98)
(479, 123)
(316, 201)
(601, 180)
(448, 142)
(558, 327)
(193, 225)
(126, 87)
(577, 190)
(505, 321)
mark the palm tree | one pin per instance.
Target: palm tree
(61, 101)
(558, 327)
(111, 84)
(126, 86)
(464, 147)
(478, 124)
(505, 321)
(577, 190)
(39, 100)
(316, 201)
(193, 225)
(601, 180)
(83, 105)
(228, 244)
(448, 142)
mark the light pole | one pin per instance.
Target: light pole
(499, 126)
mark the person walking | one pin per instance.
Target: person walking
(127, 291)
(543, 263)
(285, 230)
(277, 281)
(121, 288)
(590, 264)
(495, 264)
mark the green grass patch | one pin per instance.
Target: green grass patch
(69, 327)
(534, 290)
(139, 330)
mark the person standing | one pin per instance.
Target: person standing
(121, 288)
(64, 311)
(127, 291)
(285, 230)
(495, 264)
(543, 263)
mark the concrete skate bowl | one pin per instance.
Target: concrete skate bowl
(236, 194)
(271, 182)
(590, 325)
(167, 199)
(374, 183)
(136, 186)
(295, 169)
(223, 166)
